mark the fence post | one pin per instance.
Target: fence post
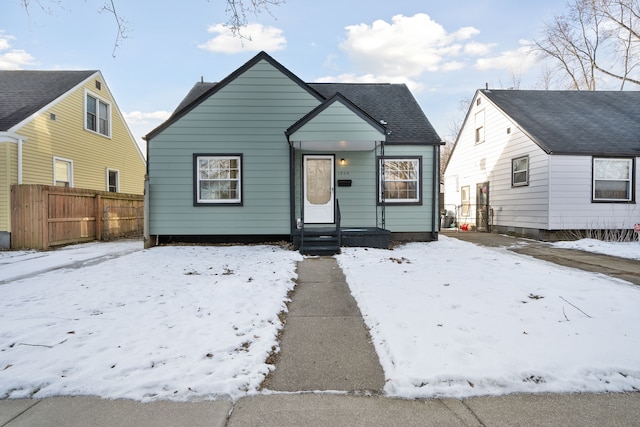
(98, 216)
(45, 218)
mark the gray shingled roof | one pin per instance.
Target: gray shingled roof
(575, 122)
(24, 92)
(196, 91)
(392, 103)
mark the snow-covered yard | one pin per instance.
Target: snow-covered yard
(448, 318)
(184, 322)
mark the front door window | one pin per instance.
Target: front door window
(318, 189)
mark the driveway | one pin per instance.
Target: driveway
(621, 268)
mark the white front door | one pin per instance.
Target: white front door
(318, 189)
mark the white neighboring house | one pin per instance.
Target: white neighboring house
(535, 163)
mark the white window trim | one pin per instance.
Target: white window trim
(117, 178)
(62, 159)
(199, 200)
(480, 131)
(629, 179)
(513, 172)
(109, 112)
(465, 200)
(381, 181)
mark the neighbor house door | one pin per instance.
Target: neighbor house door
(482, 206)
(318, 189)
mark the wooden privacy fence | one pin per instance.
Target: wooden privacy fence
(43, 216)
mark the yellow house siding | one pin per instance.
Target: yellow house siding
(8, 174)
(90, 152)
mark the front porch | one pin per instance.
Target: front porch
(328, 240)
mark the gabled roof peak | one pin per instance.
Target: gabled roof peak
(24, 92)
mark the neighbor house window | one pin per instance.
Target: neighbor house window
(465, 207)
(113, 180)
(218, 179)
(62, 172)
(399, 180)
(98, 117)
(612, 180)
(480, 127)
(520, 171)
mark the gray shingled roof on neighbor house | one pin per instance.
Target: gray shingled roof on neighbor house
(24, 92)
(392, 103)
(575, 122)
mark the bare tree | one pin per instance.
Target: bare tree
(236, 10)
(452, 135)
(596, 39)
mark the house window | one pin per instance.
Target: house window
(113, 180)
(62, 172)
(465, 200)
(399, 180)
(479, 127)
(612, 180)
(218, 179)
(520, 171)
(98, 114)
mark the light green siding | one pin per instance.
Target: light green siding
(337, 123)
(248, 116)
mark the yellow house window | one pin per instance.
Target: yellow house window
(62, 172)
(98, 115)
(113, 180)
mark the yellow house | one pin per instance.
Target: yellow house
(63, 128)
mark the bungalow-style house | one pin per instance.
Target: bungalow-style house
(63, 128)
(544, 164)
(262, 155)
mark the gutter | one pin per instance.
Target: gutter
(16, 139)
(435, 195)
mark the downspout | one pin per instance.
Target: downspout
(435, 195)
(20, 142)
(292, 195)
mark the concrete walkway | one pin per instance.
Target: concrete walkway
(325, 348)
(325, 345)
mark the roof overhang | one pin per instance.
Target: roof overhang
(335, 145)
(11, 137)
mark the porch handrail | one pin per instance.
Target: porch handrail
(338, 218)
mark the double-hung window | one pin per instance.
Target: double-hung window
(218, 179)
(98, 115)
(399, 180)
(113, 180)
(62, 172)
(612, 180)
(520, 171)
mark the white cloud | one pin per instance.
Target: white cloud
(520, 59)
(141, 123)
(478, 49)
(408, 46)
(255, 37)
(142, 118)
(413, 85)
(14, 59)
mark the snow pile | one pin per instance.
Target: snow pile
(629, 250)
(449, 318)
(178, 323)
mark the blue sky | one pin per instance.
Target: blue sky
(443, 51)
